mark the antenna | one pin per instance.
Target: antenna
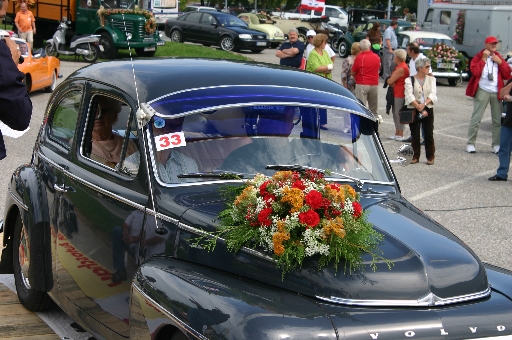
(142, 115)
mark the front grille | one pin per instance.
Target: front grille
(259, 37)
(128, 27)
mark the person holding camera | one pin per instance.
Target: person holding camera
(420, 93)
(15, 104)
(488, 69)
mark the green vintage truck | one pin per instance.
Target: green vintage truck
(113, 20)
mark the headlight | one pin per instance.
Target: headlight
(268, 37)
(245, 36)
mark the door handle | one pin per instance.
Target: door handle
(60, 188)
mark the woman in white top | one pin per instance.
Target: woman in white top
(422, 96)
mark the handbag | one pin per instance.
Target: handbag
(406, 115)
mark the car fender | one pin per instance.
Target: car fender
(113, 34)
(29, 197)
(208, 303)
(499, 279)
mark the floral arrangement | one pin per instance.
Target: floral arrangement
(149, 26)
(294, 215)
(442, 53)
(30, 3)
(459, 27)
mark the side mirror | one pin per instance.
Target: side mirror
(405, 154)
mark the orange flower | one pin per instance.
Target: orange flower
(335, 195)
(293, 196)
(335, 226)
(350, 192)
(282, 175)
(244, 195)
(278, 240)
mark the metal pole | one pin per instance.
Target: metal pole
(256, 6)
(389, 9)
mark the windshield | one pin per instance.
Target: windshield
(427, 43)
(245, 139)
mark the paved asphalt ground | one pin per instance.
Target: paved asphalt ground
(454, 191)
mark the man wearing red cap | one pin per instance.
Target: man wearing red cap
(488, 70)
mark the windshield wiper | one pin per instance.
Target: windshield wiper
(302, 168)
(213, 174)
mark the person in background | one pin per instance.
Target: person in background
(366, 73)
(407, 15)
(310, 35)
(488, 69)
(390, 44)
(347, 79)
(15, 104)
(505, 136)
(319, 61)
(397, 81)
(26, 24)
(422, 96)
(291, 51)
(375, 37)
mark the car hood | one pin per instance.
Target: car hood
(243, 30)
(430, 265)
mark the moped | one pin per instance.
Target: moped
(85, 45)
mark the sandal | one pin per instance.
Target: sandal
(119, 276)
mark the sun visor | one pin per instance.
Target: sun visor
(209, 99)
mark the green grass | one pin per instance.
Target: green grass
(171, 49)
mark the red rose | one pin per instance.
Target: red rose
(263, 188)
(310, 217)
(358, 210)
(263, 217)
(314, 199)
(299, 185)
(334, 186)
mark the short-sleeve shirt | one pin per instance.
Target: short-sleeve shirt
(389, 34)
(296, 60)
(412, 65)
(25, 20)
(508, 118)
(310, 48)
(315, 60)
(366, 68)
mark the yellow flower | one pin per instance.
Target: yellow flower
(350, 192)
(293, 196)
(337, 196)
(244, 195)
(335, 226)
(282, 175)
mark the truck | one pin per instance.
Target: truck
(162, 10)
(478, 20)
(119, 23)
(335, 14)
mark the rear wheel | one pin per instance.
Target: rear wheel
(31, 299)
(452, 81)
(147, 54)
(51, 88)
(227, 43)
(94, 53)
(302, 36)
(109, 51)
(334, 45)
(343, 49)
(176, 36)
(50, 50)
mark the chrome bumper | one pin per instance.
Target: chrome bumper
(449, 74)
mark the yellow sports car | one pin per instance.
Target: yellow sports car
(41, 71)
(275, 34)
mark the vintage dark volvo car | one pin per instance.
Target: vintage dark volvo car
(125, 176)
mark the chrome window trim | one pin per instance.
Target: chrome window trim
(20, 203)
(162, 310)
(95, 187)
(428, 300)
(201, 232)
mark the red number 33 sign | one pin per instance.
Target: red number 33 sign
(170, 140)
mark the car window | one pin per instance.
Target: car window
(207, 19)
(254, 20)
(445, 17)
(429, 42)
(23, 46)
(194, 17)
(111, 134)
(189, 9)
(402, 40)
(430, 14)
(63, 122)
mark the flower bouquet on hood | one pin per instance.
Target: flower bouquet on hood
(294, 215)
(443, 54)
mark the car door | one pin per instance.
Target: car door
(191, 29)
(209, 30)
(98, 210)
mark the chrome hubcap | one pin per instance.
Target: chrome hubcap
(24, 257)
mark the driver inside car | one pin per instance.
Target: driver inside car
(270, 128)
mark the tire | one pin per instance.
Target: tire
(51, 88)
(452, 81)
(227, 43)
(109, 50)
(176, 36)
(95, 53)
(343, 49)
(334, 45)
(28, 82)
(31, 299)
(146, 54)
(50, 50)
(302, 36)
(275, 45)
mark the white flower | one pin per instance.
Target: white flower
(312, 240)
(348, 207)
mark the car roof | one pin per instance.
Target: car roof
(155, 79)
(202, 8)
(424, 34)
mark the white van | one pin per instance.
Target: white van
(480, 22)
